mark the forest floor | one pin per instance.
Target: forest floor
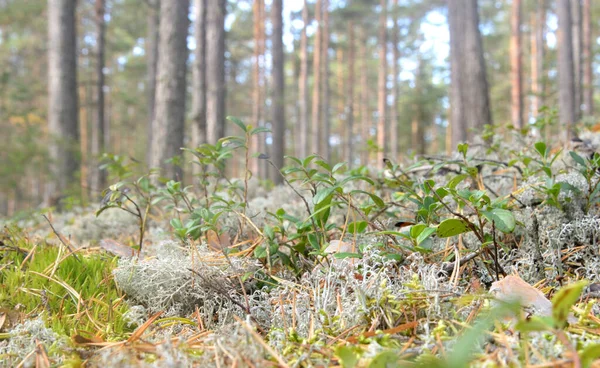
(489, 257)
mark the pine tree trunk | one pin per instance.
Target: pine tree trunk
(469, 90)
(98, 177)
(516, 73)
(169, 116)
(325, 115)
(577, 59)
(316, 129)
(365, 114)
(588, 57)
(394, 113)
(538, 42)
(151, 64)
(381, 87)
(256, 82)
(349, 134)
(341, 105)
(63, 109)
(278, 98)
(199, 78)
(566, 75)
(215, 70)
(303, 85)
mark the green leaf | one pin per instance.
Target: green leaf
(338, 166)
(176, 223)
(378, 201)
(463, 148)
(342, 255)
(589, 354)
(259, 130)
(357, 227)
(504, 219)
(323, 193)
(541, 148)
(238, 122)
(577, 158)
(535, 324)
(564, 299)
(417, 229)
(385, 359)
(425, 234)
(348, 356)
(452, 227)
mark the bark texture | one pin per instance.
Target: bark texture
(381, 86)
(577, 59)
(63, 109)
(566, 75)
(469, 94)
(199, 77)
(215, 70)
(516, 70)
(152, 25)
(587, 56)
(394, 113)
(538, 41)
(98, 146)
(316, 131)
(278, 98)
(349, 137)
(303, 85)
(324, 149)
(169, 116)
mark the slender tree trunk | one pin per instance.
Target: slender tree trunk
(199, 75)
(257, 107)
(382, 142)
(587, 55)
(469, 90)
(83, 142)
(215, 70)
(516, 73)
(394, 113)
(169, 116)
(577, 59)
(458, 125)
(341, 103)
(316, 129)
(538, 40)
(303, 85)
(365, 114)
(325, 114)
(98, 178)
(63, 107)
(566, 75)
(152, 26)
(278, 98)
(349, 137)
(199, 80)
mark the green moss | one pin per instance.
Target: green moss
(75, 295)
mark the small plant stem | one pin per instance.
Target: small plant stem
(298, 194)
(142, 220)
(495, 250)
(61, 239)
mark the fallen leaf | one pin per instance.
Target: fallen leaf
(116, 248)
(513, 288)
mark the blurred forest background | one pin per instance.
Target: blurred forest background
(351, 80)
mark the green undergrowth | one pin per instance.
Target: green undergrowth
(74, 294)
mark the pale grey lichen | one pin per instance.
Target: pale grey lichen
(23, 340)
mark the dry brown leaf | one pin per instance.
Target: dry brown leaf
(218, 242)
(116, 248)
(514, 288)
